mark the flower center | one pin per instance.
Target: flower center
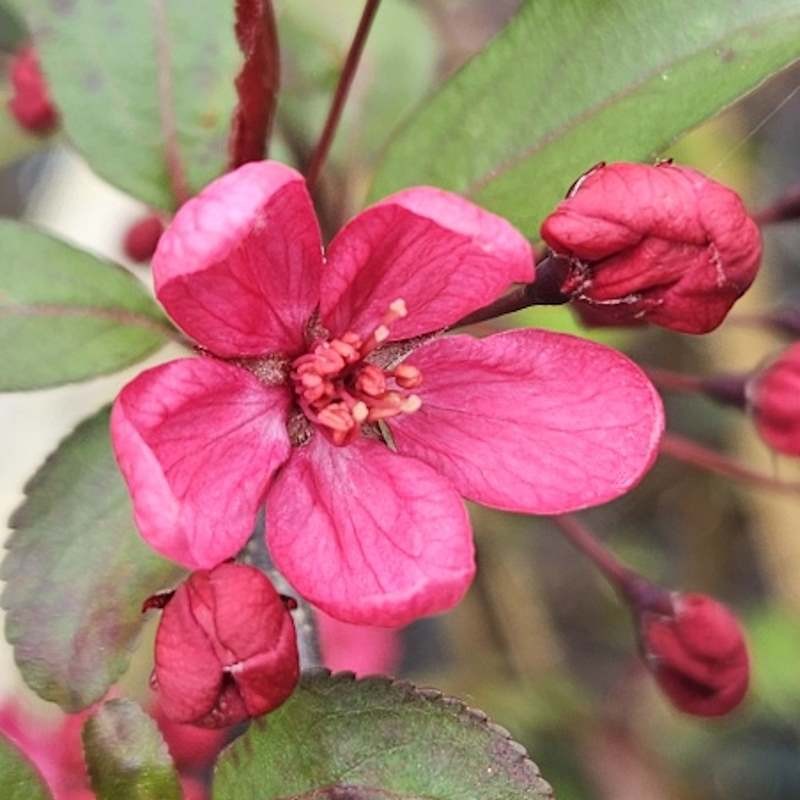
(339, 390)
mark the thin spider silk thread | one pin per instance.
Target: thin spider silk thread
(750, 134)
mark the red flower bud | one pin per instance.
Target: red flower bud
(30, 104)
(659, 243)
(697, 654)
(774, 395)
(226, 648)
(142, 237)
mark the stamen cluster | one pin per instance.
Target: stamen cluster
(340, 390)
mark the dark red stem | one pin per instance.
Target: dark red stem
(637, 591)
(784, 209)
(784, 321)
(726, 389)
(166, 104)
(343, 88)
(257, 83)
(698, 455)
(544, 291)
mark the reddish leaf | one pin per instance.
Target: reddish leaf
(257, 83)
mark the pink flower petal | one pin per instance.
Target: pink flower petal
(369, 536)
(197, 442)
(363, 649)
(238, 268)
(532, 421)
(443, 255)
(189, 681)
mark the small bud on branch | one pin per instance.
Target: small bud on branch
(31, 104)
(697, 654)
(663, 244)
(141, 239)
(774, 394)
(692, 644)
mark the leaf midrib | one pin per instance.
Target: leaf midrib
(119, 316)
(482, 181)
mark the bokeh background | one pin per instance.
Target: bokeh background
(540, 643)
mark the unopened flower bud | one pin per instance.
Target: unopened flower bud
(226, 648)
(697, 654)
(774, 395)
(30, 104)
(663, 244)
(142, 238)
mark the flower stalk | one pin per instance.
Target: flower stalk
(551, 272)
(785, 209)
(726, 389)
(631, 587)
(689, 452)
(342, 90)
(691, 643)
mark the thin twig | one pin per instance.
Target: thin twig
(581, 538)
(544, 291)
(169, 127)
(342, 90)
(729, 390)
(785, 209)
(638, 592)
(698, 455)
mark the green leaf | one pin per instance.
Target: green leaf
(18, 779)
(573, 82)
(101, 60)
(374, 739)
(77, 572)
(12, 31)
(66, 315)
(126, 755)
(396, 70)
(775, 644)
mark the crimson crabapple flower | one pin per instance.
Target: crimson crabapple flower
(697, 654)
(662, 244)
(774, 399)
(324, 390)
(142, 238)
(226, 648)
(30, 104)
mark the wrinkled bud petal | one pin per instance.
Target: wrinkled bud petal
(697, 654)
(30, 103)
(142, 238)
(774, 395)
(226, 648)
(664, 244)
